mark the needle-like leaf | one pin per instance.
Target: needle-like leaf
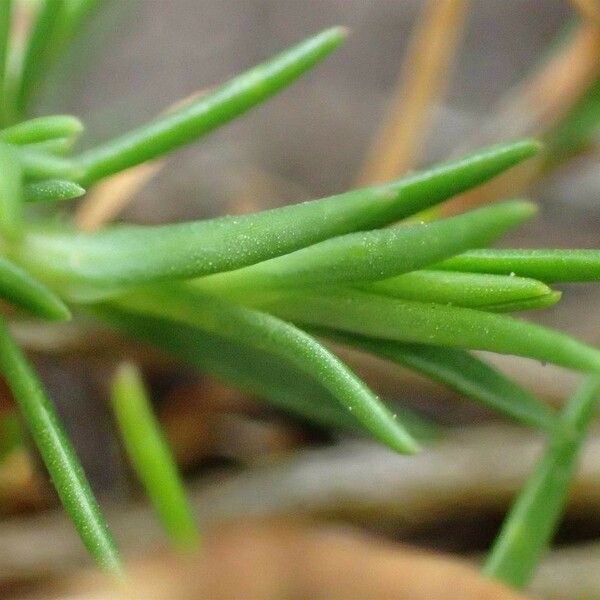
(133, 255)
(6, 7)
(267, 333)
(578, 128)
(548, 265)
(39, 164)
(251, 370)
(53, 190)
(42, 129)
(210, 111)
(462, 372)
(55, 146)
(11, 193)
(533, 518)
(37, 51)
(498, 293)
(18, 287)
(57, 453)
(151, 457)
(371, 315)
(373, 255)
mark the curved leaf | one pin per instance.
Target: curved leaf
(57, 453)
(373, 255)
(355, 311)
(227, 102)
(18, 287)
(123, 256)
(267, 333)
(462, 372)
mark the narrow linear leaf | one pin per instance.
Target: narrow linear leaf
(472, 290)
(11, 193)
(18, 287)
(548, 265)
(372, 255)
(371, 315)
(545, 301)
(133, 255)
(212, 110)
(39, 165)
(59, 146)
(58, 454)
(578, 128)
(267, 333)
(251, 370)
(37, 51)
(42, 129)
(462, 372)
(6, 7)
(52, 190)
(69, 24)
(151, 457)
(534, 516)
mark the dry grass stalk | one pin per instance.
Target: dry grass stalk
(398, 145)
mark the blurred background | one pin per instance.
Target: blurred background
(502, 75)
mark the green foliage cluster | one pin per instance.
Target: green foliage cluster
(254, 299)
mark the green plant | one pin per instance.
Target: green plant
(243, 297)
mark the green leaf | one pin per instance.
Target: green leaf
(462, 372)
(251, 370)
(209, 112)
(151, 457)
(123, 256)
(358, 312)
(548, 265)
(578, 128)
(57, 453)
(42, 129)
(267, 333)
(6, 7)
(37, 51)
(11, 193)
(39, 165)
(52, 190)
(496, 293)
(373, 255)
(18, 287)
(534, 516)
(55, 146)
